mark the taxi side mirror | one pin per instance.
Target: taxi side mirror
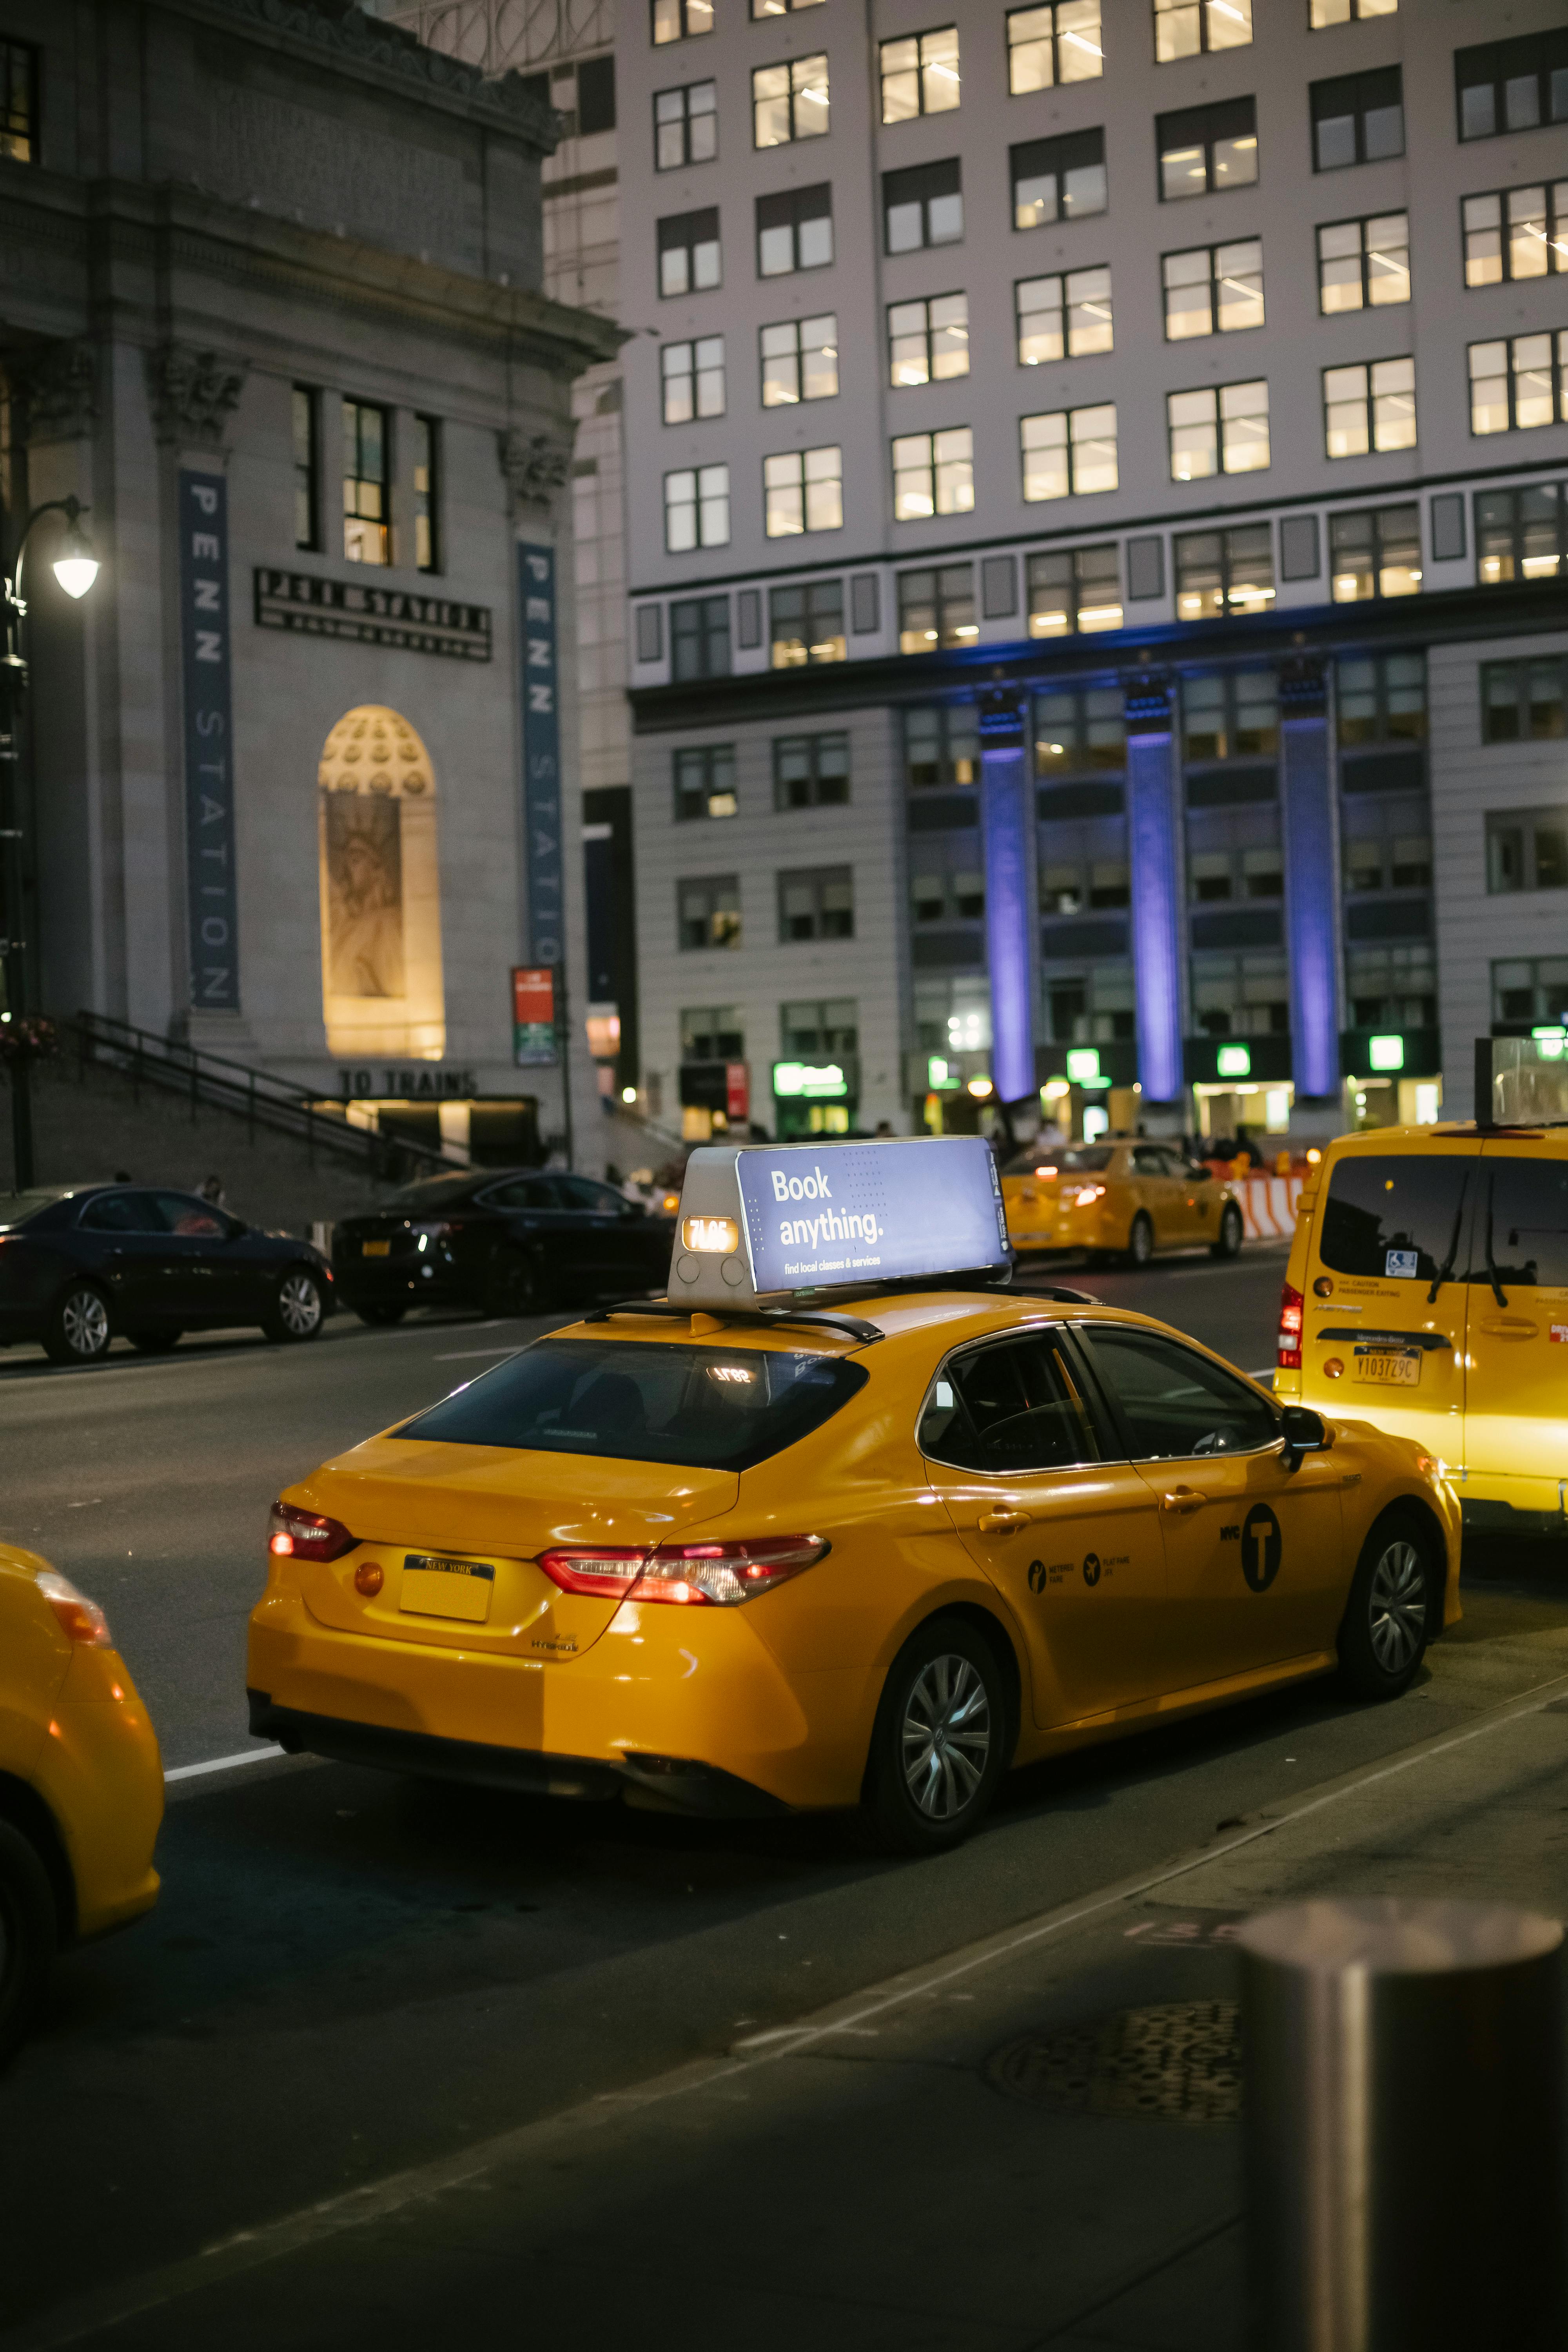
(1304, 1430)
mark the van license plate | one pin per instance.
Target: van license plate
(378, 1249)
(1393, 1371)
(432, 1587)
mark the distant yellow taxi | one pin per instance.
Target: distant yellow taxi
(82, 1782)
(831, 1526)
(1124, 1199)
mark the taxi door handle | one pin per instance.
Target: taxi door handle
(1513, 1327)
(1001, 1523)
(1182, 1499)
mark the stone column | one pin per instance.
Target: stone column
(1311, 877)
(1153, 845)
(1007, 818)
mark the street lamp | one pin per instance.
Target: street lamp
(76, 568)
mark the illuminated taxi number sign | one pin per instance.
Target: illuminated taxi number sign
(714, 1236)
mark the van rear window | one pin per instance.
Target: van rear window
(1397, 1216)
(698, 1408)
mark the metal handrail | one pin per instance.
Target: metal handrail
(263, 1099)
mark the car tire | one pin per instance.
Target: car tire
(513, 1286)
(924, 1793)
(298, 1311)
(1139, 1240)
(154, 1343)
(78, 1328)
(393, 1311)
(1395, 1598)
(29, 1936)
(1231, 1232)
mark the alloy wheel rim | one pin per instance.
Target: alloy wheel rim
(86, 1320)
(946, 1738)
(300, 1305)
(1398, 1607)
(1141, 1242)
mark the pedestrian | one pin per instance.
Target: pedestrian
(212, 1191)
(884, 1131)
(123, 1176)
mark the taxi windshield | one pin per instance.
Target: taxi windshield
(647, 1401)
(1065, 1159)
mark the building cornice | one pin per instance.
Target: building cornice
(1444, 616)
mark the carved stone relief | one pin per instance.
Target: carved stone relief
(535, 466)
(193, 393)
(57, 391)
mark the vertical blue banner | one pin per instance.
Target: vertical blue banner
(1007, 801)
(1312, 864)
(541, 752)
(1156, 889)
(204, 654)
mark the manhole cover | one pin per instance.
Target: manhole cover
(1178, 2062)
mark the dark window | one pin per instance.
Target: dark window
(595, 96)
(941, 746)
(922, 206)
(1375, 553)
(936, 608)
(1395, 1216)
(712, 1032)
(708, 912)
(705, 781)
(1521, 534)
(811, 771)
(794, 230)
(805, 624)
(1527, 849)
(1382, 699)
(650, 633)
(1206, 148)
(1057, 179)
(1522, 701)
(700, 637)
(18, 101)
(122, 1213)
(1236, 717)
(685, 125)
(1516, 233)
(536, 1193)
(1009, 1407)
(366, 474)
(1223, 571)
(1532, 989)
(942, 897)
(826, 1026)
(1512, 85)
(307, 468)
(1357, 119)
(1175, 1404)
(1077, 588)
(681, 20)
(700, 1408)
(1525, 1238)
(818, 904)
(1079, 731)
(689, 252)
(426, 494)
(1240, 995)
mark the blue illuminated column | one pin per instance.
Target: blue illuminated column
(1311, 877)
(1008, 815)
(1154, 851)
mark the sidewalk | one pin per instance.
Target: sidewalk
(987, 2153)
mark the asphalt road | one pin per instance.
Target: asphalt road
(348, 1975)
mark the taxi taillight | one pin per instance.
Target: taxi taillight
(82, 1619)
(717, 1575)
(1292, 1307)
(293, 1534)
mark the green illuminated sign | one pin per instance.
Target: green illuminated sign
(1083, 1066)
(824, 1084)
(1548, 1042)
(1234, 1062)
(1386, 1053)
(941, 1076)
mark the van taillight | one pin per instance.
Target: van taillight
(706, 1574)
(1291, 1307)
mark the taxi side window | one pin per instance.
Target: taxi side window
(1148, 1159)
(1177, 1404)
(1397, 1217)
(1011, 1406)
(1524, 1235)
(122, 1213)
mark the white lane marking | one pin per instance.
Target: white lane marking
(467, 1355)
(225, 1763)
(245, 2250)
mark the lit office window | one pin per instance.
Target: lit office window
(800, 360)
(1364, 263)
(1372, 407)
(1074, 590)
(761, 8)
(696, 508)
(805, 624)
(692, 379)
(920, 74)
(1071, 453)
(1519, 384)
(936, 607)
(1375, 553)
(1521, 534)
(704, 781)
(803, 490)
(1235, 717)
(307, 468)
(1063, 318)
(941, 746)
(1057, 179)
(1213, 289)
(789, 101)
(1080, 730)
(928, 342)
(18, 102)
(1220, 572)
(366, 517)
(685, 126)
(707, 912)
(1183, 27)
(1207, 149)
(1054, 44)
(426, 494)
(681, 20)
(1325, 12)
(933, 473)
(1221, 429)
(1516, 233)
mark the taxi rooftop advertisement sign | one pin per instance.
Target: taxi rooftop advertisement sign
(762, 1220)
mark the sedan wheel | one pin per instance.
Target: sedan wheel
(296, 1312)
(940, 1742)
(77, 1331)
(1394, 1607)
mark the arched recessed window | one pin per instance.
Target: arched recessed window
(380, 899)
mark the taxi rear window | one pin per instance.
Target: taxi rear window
(1396, 1215)
(1080, 1160)
(696, 1408)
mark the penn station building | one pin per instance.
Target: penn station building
(289, 782)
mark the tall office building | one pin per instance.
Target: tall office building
(1096, 526)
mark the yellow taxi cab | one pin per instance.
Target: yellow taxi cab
(1121, 1199)
(82, 1782)
(841, 1522)
(1427, 1288)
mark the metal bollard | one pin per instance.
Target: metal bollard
(1404, 2129)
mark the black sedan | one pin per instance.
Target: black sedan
(82, 1262)
(507, 1241)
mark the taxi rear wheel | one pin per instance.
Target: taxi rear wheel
(1229, 1244)
(1140, 1240)
(1393, 1606)
(939, 1744)
(28, 1936)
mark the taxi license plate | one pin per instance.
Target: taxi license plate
(1391, 1370)
(378, 1249)
(446, 1588)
